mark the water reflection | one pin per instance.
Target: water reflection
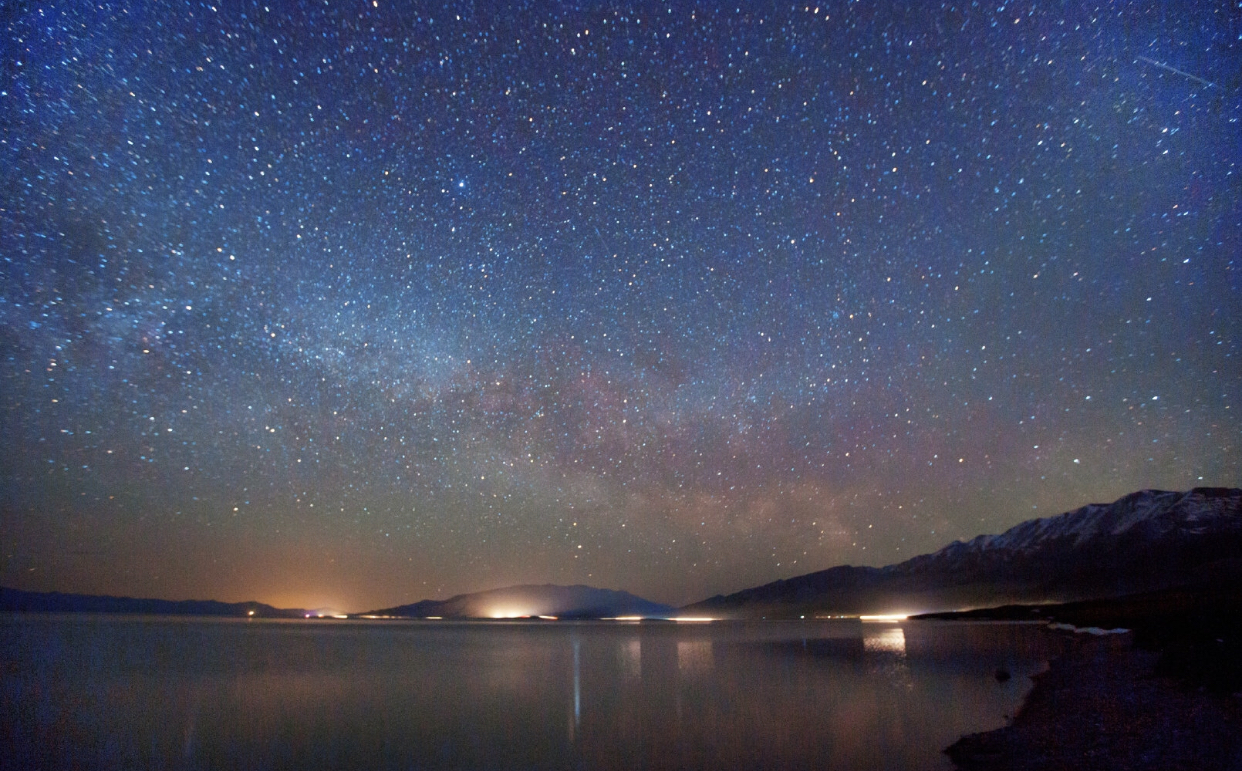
(577, 684)
(886, 641)
(630, 655)
(694, 657)
(107, 693)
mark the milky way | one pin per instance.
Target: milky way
(354, 304)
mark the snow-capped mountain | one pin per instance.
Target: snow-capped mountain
(1147, 540)
(1153, 513)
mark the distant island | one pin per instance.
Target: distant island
(547, 601)
(1148, 541)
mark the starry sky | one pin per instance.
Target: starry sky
(350, 304)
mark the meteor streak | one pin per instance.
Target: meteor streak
(1163, 66)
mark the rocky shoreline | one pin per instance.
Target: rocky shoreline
(1104, 705)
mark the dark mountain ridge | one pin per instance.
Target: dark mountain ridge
(1145, 541)
(56, 602)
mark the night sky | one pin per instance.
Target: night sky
(353, 304)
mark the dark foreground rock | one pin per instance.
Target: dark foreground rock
(1103, 706)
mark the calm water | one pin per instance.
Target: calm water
(110, 692)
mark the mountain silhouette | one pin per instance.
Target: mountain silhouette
(545, 600)
(1146, 541)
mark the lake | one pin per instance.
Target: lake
(138, 692)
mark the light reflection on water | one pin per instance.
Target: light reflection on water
(630, 656)
(891, 640)
(107, 692)
(694, 657)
